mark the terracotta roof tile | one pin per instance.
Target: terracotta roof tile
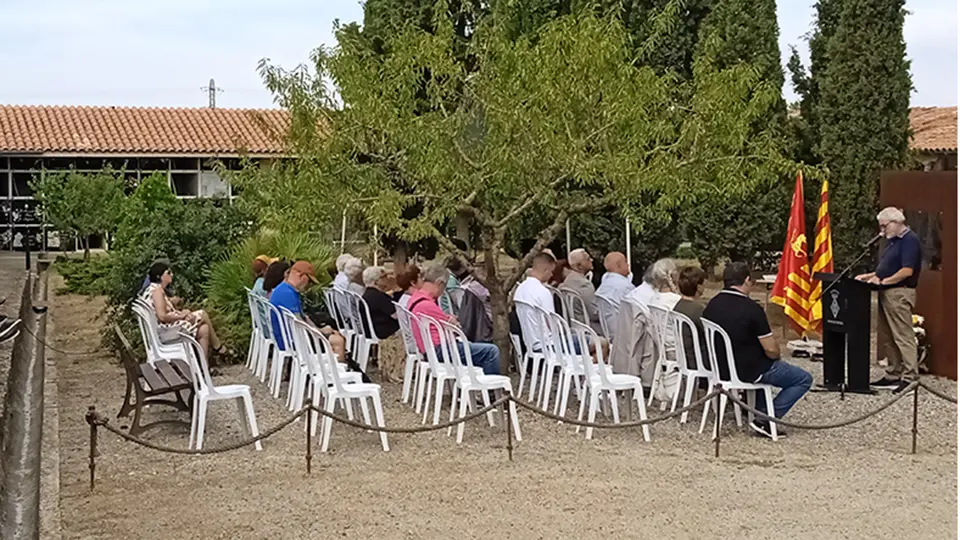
(38, 129)
(934, 128)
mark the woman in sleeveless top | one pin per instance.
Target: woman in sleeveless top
(171, 320)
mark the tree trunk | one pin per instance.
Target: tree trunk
(492, 240)
(86, 249)
(463, 228)
(399, 257)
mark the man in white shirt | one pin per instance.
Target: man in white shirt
(533, 291)
(617, 281)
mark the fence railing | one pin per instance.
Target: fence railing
(95, 420)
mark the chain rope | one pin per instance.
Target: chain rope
(939, 394)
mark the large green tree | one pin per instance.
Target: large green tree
(561, 122)
(857, 98)
(743, 33)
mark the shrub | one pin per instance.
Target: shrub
(88, 277)
(226, 298)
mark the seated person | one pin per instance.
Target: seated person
(287, 294)
(275, 274)
(354, 272)
(474, 310)
(690, 282)
(756, 353)
(664, 282)
(408, 281)
(260, 265)
(424, 302)
(383, 314)
(617, 280)
(576, 280)
(172, 321)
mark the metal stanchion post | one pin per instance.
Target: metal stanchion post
(716, 420)
(309, 439)
(91, 419)
(916, 398)
(507, 426)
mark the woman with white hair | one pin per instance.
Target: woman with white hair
(383, 315)
(341, 280)
(353, 269)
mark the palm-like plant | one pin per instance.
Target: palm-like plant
(225, 292)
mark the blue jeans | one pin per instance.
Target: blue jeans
(484, 355)
(793, 383)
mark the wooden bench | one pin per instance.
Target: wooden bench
(146, 383)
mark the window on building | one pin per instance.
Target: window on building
(211, 185)
(21, 184)
(185, 184)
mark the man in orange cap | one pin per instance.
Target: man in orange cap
(299, 278)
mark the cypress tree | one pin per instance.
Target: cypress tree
(861, 110)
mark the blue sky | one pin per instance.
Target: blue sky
(151, 53)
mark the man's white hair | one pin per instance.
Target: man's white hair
(577, 256)
(891, 213)
(372, 274)
(661, 273)
(342, 261)
(353, 268)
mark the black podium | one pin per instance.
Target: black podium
(846, 333)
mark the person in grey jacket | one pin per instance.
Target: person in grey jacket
(576, 280)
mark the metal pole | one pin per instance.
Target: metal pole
(309, 438)
(343, 231)
(916, 397)
(569, 248)
(508, 426)
(629, 259)
(376, 245)
(716, 420)
(23, 426)
(92, 465)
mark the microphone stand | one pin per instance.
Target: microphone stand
(847, 270)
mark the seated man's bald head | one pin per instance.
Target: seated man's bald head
(616, 262)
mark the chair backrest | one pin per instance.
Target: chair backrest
(425, 323)
(456, 299)
(286, 327)
(149, 330)
(712, 331)
(557, 295)
(587, 336)
(342, 301)
(261, 318)
(330, 299)
(307, 349)
(459, 357)
(199, 368)
(682, 325)
(361, 313)
(561, 345)
(324, 359)
(658, 317)
(574, 306)
(532, 325)
(608, 315)
(517, 351)
(407, 321)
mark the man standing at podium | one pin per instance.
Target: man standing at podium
(898, 272)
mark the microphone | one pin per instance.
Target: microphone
(873, 241)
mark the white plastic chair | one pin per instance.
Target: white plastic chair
(602, 379)
(468, 380)
(415, 366)
(314, 381)
(150, 334)
(557, 295)
(438, 370)
(364, 336)
(712, 331)
(688, 376)
(280, 357)
(571, 301)
(532, 335)
(339, 391)
(345, 309)
(562, 355)
(205, 392)
(659, 317)
(267, 344)
(254, 345)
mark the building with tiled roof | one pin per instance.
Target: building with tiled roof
(935, 137)
(182, 143)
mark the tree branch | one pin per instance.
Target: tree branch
(529, 201)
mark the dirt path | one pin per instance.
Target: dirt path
(859, 482)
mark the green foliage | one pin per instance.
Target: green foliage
(226, 297)
(88, 277)
(855, 101)
(80, 204)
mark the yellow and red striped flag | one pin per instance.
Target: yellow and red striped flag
(792, 287)
(822, 257)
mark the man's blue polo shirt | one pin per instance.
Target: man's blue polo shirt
(904, 251)
(284, 295)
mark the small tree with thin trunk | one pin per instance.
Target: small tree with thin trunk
(561, 122)
(80, 205)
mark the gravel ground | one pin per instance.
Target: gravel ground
(855, 482)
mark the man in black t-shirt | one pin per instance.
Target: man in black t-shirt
(756, 353)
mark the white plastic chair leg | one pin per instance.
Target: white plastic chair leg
(408, 377)
(719, 421)
(592, 414)
(453, 404)
(194, 420)
(684, 381)
(768, 394)
(583, 404)
(524, 362)
(657, 373)
(688, 397)
(515, 419)
(251, 420)
(464, 401)
(642, 411)
(327, 425)
(201, 423)
(365, 410)
(378, 411)
(439, 401)
(534, 371)
(485, 395)
(707, 407)
(426, 397)
(615, 406)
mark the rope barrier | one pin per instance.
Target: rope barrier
(637, 423)
(56, 350)
(939, 394)
(764, 416)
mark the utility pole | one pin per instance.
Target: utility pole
(212, 90)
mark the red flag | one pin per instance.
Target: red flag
(792, 287)
(822, 257)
